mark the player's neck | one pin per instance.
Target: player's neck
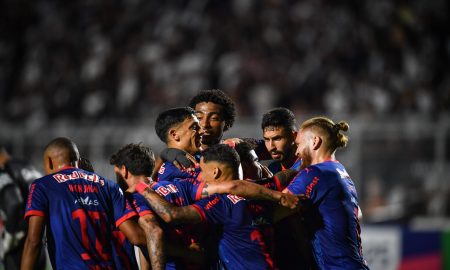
(287, 163)
(323, 158)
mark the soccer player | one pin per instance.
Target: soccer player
(79, 209)
(331, 206)
(216, 113)
(178, 128)
(240, 246)
(279, 132)
(134, 162)
(15, 178)
(279, 128)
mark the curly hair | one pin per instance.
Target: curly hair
(218, 97)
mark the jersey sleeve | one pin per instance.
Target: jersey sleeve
(211, 209)
(122, 209)
(308, 182)
(37, 202)
(140, 205)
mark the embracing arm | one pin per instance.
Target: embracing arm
(33, 242)
(169, 212)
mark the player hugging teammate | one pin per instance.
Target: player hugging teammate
(205, 203)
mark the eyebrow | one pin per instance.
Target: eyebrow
(273, 138)
(209, 113)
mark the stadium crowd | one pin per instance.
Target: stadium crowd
(130, 59)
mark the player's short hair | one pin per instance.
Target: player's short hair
(244, 151)
(218, 97)
(65, 144)
(279, 117)
(222, 153)
(334, 138)
(168, 119)
(137, 158)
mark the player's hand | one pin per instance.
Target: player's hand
(289, 200)
(232, 142)
(181, 159)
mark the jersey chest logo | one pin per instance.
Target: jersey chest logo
(234, 198)
(165, 190)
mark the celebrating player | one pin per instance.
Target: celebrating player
(78, 208)
(179, 129)
(331, 207)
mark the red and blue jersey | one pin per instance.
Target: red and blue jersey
(125, 257)
(180, 192)
(168, 172)
(80, 209)
(331, 215)
(241, 245)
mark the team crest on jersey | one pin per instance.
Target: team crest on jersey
(164, 190)
(234, 198)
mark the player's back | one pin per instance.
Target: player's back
(80, 209)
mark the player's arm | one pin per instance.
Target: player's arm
(167, 211)
(155, 242)
(33, 241)
(133, 232)
(250, 191)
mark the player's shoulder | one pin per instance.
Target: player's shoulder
(231, 199)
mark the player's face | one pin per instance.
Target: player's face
(304, 143)
(211, 122)
(189, 135)
(279, 142)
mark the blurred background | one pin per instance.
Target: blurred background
(100, 71)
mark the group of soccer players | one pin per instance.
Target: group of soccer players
(190, 208)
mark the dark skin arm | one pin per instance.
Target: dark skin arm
(36, 225)
(168, 212)
(155, 244)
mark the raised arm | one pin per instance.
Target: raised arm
(167, 211)
(250, 191)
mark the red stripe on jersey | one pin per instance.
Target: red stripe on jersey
(34, 213)
(145, 212)
(277, 182)
(200, 212)
(198, 195)
(125, 218)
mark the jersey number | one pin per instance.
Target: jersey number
(95, 218)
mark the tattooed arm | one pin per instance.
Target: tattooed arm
(169, 212)
(250, 191)
(155, 244)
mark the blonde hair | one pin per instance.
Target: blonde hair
(326, 127)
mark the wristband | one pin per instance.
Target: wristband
(141, 187)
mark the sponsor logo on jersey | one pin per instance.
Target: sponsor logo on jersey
(234, 198)
(61, 178)
(86, 201)
(162, 169)
(165, 190)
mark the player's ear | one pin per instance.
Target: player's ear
(173, 135)
(217, 173)
(317, 142)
